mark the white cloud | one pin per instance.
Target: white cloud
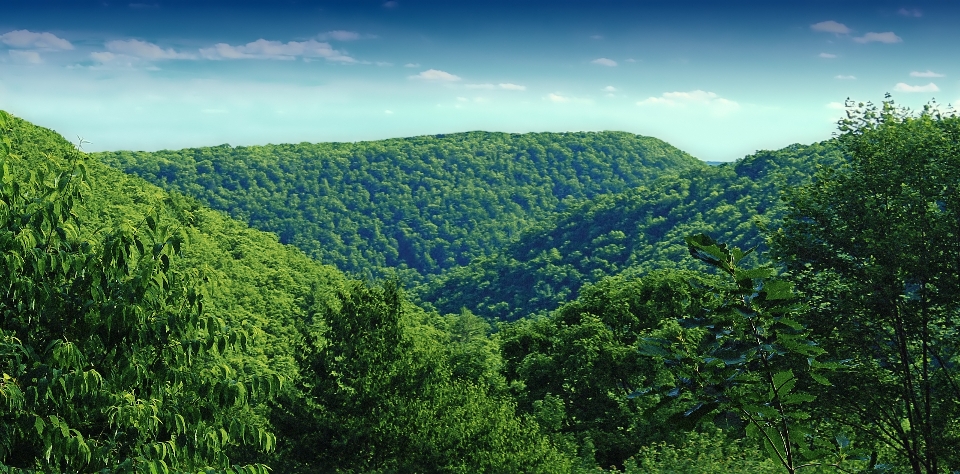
(31, 57)
(462, 99)
(263, 49)
(631, 60)
(701, 98)
(609, 89)
(341, 35)
(103, 56)
(142, 49)
(29, 39)
(830, 26)
(436, 75)
(836, 106)
(596, 37)
(113, 60)
(502, 85)
(388, 112)
(927, 73)
(885, 37)
(604, 62)
(827, 55)
(412, 65)
(558, 98)
(841, 76)
(903, 87)
(391, 4)
(913, 12)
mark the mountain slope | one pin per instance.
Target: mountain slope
(638, 230)
(425, 203)
(382, 369)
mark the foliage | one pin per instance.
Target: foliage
(635, 231)
(416, 205)
(377, 396)
(747, 354)
(874, 247)
(575, 369)
(447, 398)
(706, 452)
(127, 309)
(108, 361)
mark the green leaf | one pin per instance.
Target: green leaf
(784, 381)
(820, 379)
(779, 290)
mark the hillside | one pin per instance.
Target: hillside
(419, 205)
(638, 230)
(504, 225)
(142, 332)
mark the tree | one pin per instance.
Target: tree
(107, 361)
(575, 369)
(377, 393)
(875, 249)
(745, 354)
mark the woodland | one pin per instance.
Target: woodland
(484, 302)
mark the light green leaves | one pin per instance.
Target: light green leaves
(97, 335)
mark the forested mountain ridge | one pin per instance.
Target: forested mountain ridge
(425, 203)
(143, 332)
(637, 231)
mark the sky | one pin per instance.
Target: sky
(717, 79)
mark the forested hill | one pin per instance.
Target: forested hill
(143, 332)
(424, 204)
(638, 230)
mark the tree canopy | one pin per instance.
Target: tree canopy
(143, 331)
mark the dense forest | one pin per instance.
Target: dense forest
(423, 204)
(635, 231)
(484, 303)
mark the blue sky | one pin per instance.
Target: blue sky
(716, 79)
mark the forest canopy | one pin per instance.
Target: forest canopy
(794, 311)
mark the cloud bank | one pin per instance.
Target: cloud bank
(436, 75)
(144, 50)
(26, 39)
(697, 98)
(264, 49)
(885, 37)
(830, 26)
(904, 87)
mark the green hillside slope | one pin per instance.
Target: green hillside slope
(425, 203)
(639, 230)
(141, 331)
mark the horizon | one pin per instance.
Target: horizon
(718, 81)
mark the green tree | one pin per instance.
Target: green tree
(107, 359)
(745, 353)
(382, 392)
(874, 248)
(576, 369)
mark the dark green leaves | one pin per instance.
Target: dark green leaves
(747, 356)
